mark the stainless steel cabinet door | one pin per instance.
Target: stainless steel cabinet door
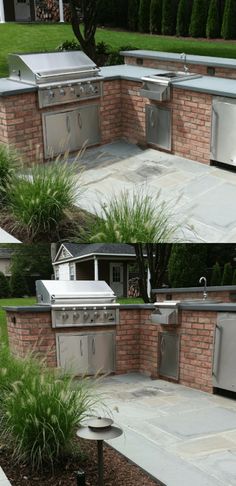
(102, 352)
(158, 126)
(59, 133)
(87, 123)
(224, 359)
(169, 355)
(72, 353)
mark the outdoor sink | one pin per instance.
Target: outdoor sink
(201, 301)
(169, 76)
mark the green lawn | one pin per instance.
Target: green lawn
(16, 37)
(32, 300)
(9, 302)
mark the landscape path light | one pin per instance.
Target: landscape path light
(99, 429)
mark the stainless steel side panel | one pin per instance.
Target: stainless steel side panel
(169, 355)
(223, 140)
(102, 352)
(224, 355)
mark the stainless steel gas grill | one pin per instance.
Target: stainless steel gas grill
(61, 77)
(84, 314)
(78, 302)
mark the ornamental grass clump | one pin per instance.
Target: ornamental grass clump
(40, 198)
(9, 161)
(41, 413)
(135, 218)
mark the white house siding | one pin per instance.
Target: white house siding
(64, 273)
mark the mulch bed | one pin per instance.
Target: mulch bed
(118, 471)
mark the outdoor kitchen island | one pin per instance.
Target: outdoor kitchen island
(188, 342)
(184, 123)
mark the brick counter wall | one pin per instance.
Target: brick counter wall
(222, 296)
(137, 342)
(221, 72)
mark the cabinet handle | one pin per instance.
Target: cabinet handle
(81, 347)
(163, 345)
(68, 123)
(216, 354)
(93, 346)
(152, 119)
(79, 120)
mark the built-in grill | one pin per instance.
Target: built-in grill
(78, 302)
(61, 77)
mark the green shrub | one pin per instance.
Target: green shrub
(155, 16)
(136, 218)
(38, 200)
(198, 21)
(114, 56)
(187, 264)
(18, 285)
(68, 45)
(169, 14)
(227, 274)
(4, 286)
(183, 17)
(216, 275)
(144, 15)
(9, 162)
(133, 10)
(41, 413)
(228, 30)
(213, 20)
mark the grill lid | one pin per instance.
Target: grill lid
(74, 292)
(48, 67)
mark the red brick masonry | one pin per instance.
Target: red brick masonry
(137, 341)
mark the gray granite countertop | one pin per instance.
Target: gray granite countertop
(191, 59)
(207, 84)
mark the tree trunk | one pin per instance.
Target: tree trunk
(85, 12)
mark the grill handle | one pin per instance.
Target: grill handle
(93, 346)
(81, 347)
(50, 75)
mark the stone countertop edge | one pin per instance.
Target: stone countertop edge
(175, 56)
(220, 307)
(28, 308)
(4, 481)
(213, 288)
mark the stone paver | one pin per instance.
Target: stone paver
(3, 479)
(179, 435)
(6, 237)
(203, 197)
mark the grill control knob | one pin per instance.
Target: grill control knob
(96, 314)
(62, 91)
(75, 315)
(90, 88)
(85, 315)
(65, 316)
(51, 93)
(72, 90)
(81, 89)
(105, 314)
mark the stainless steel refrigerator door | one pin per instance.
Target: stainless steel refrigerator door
(223, 139)
(224, 356)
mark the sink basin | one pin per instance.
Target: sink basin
(200, 301)
(169, 76)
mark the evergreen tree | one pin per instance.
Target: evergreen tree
(120, 13)
(183, 17)
(187, 264)
(169, 14)
(4, 286)
(144, 15)
(105, 12)
(234, 278)
(227, 274)
(228, 30)
(213, 20)
(198, 20)
(155, 16)
(216, 275)
(18, 285)
(133, 12)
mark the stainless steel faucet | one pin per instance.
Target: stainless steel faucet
(184, 57)
(203, 279)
